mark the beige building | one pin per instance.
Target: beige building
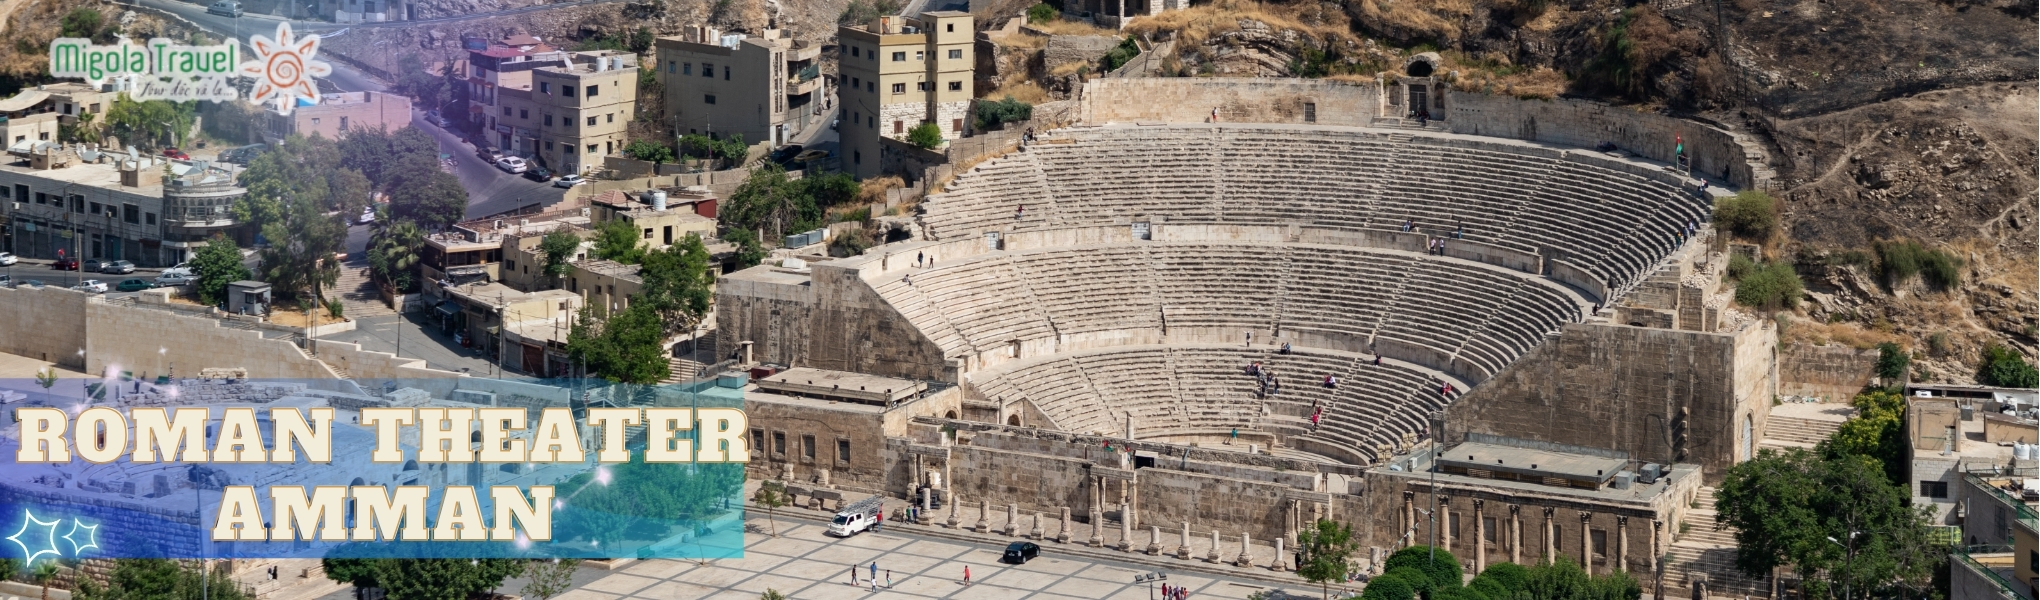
(899, 72)
(34, 114)
(499, 92)
(766, 88)
(336, 113)
(582, 108)
(25, 131)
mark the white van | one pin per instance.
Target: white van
(857, 517)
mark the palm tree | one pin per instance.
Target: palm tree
(771, 594)
(44, 573)
(393, 251)
(771, 495)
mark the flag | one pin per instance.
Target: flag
(1680, 142)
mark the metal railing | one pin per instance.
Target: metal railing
(2023, 512)
(2013, 588)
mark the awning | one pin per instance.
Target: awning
(448, 308)
(23, 101)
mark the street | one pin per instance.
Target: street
(421, 339)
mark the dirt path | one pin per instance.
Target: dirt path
(7, 8)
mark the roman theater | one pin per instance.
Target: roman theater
(1219, 309)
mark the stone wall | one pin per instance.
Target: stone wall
(43, 324)
(1065, 49)
(130, 339)
(833, 321)
(1243, 100)
(1835, 373)
(1586, 124)
(1630, 389)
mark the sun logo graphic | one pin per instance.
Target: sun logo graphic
(284, 68)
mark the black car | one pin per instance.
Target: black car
(1020, 552)
(537, 173)
(786, 154)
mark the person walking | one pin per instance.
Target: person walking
(874, 570)
(888, 578)
(966, 574)
(853, 574)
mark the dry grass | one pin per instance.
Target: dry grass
(1852, 334)
(297, 318)
(1194, 25)
(1024, 90)
(872, 191)
(1438, 19)
(1068, 69)
(1064, 27)
(1020, 41)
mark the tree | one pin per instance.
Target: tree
(1511, 577)
(558, 249)
(1749, 214)
(1877, 432)
(993, 114)
(217, 264)
(87, 23)
(749, 251)
(731, 150)
(150, 124)
(1322, 552)
(548, 578)
(302, 248)
(442, 578)
(771, 495)
(417, 82)
(678, 284)
(394, 250)
(861, 12)
(1837, 519)
(1439, 565)
(421, 192)
(47, 378)
(655, 152)
(2004, 367)
(1420, 582)
(1893, 364)
(44, 573)
(926, 136)
(300, 168)
(627, 348)
(1769, 286)
(617, 240)
(157, 579)
(769, 201)
(1043, 13)
(358, 572)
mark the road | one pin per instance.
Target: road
(490, 190)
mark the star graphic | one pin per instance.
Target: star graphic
(91, 537)
(284, 67)
(48, 531)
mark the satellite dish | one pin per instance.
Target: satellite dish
(42, 146)
(132, 155)
(207, 179)
(89, 155)
(181, 170)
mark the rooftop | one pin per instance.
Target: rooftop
(1529, 462)
(612, 269)
(840, 386)
(497, 296)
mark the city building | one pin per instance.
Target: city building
(482, 311)
(365, 11)
(491, 73)
(585, 106)
(336, 113)
(899, 72)
(1953, 430)
(766, 88)
(2000, 548)
(35, 114)
(93, 203)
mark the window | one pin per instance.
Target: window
(708, 99)
(899, 127)
(857, 157)
(950, 28)
(920, 86)
(871, 86)
(1454, 525)
(726, 74)
(1934, 489)
(758, 440)
(956, 125)
(807, 447)
(506, 111)
(567, 91)
(567, 148)
(672, 66)
(899, 88)
(1310, 112)
(956, 86)
(95, 208)
(920, 56)
(592, 90)
(1599, 537)
(315, 121)
(523, 113)
(856, 83)
(779, 443)
(842, 451)
(545, 88)
(854, 50)
(612, 118)
(708, 70)
(548, 120)
(688, 69)
(151, 218)
(899, 56)
(955, 54)
(131, 214)
(1487, 529)
(591, 121)
(648, 233)
(548, 146)
(1557, 537)
(591, 148)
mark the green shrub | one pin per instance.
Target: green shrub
(1125, 51)
(1739, 266)
(1769, 286)
(2005, 367)
(1043, 13)
(1459, 593)
(1512, 576)
(1938, 344)
(927, 136)
(860, 12)
(992, 114)
(1900, 260)
(1749, 214)
(1444, 571)
(1388, 587)
(1419, 581)
(1892, 362)
(1490, 587)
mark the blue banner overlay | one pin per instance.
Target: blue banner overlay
(160, 499)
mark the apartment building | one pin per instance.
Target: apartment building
(767, 88)
(93, 203)
(582, 108)
(34, 114)
(899, 72)
(336, 113)
(497, 75)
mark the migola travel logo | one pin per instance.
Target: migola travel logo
(284, 67)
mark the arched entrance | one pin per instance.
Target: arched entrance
(1013, 420)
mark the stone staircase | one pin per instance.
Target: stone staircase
(1703, 551)
(1410, 124)
(358, 293)
(1797, 432)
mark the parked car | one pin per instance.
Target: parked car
(489, 154)
(511, 164)
(92, 286)
(183, 268)
(225, 8)
(65, 264)
(538, 173)
(33, 283)
(134, 285)
(118, 267)
(786, 154)
(173, 152)
(6, 280)
(1020, 552)
(94, 265)
(174, 279)
(367, 215)
(7, 258)
(567, 181)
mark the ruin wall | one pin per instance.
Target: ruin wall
(1238, 100)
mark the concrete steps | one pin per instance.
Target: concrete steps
(1799, 431)
(358, 292)
(1703, 551)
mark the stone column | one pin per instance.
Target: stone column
(927, 512)
(1479, 535)
(1444, 518)
(1097, 512)
(1622, 542)
(1154, 547)
(1409, 519)
(1295, 521)
(1516, 533)
(984, 522)
(1550, 535)
(1281, 562)
(1183, 545)
(1587, 541)
(1657, 532)
(1246, 558)
(953, 520)
(1035, 534)
(1012, 519)
(1125, 529)
(1212, 557)
(1062, 534)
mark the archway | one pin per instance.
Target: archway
(949, 415)
(1013, 420)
